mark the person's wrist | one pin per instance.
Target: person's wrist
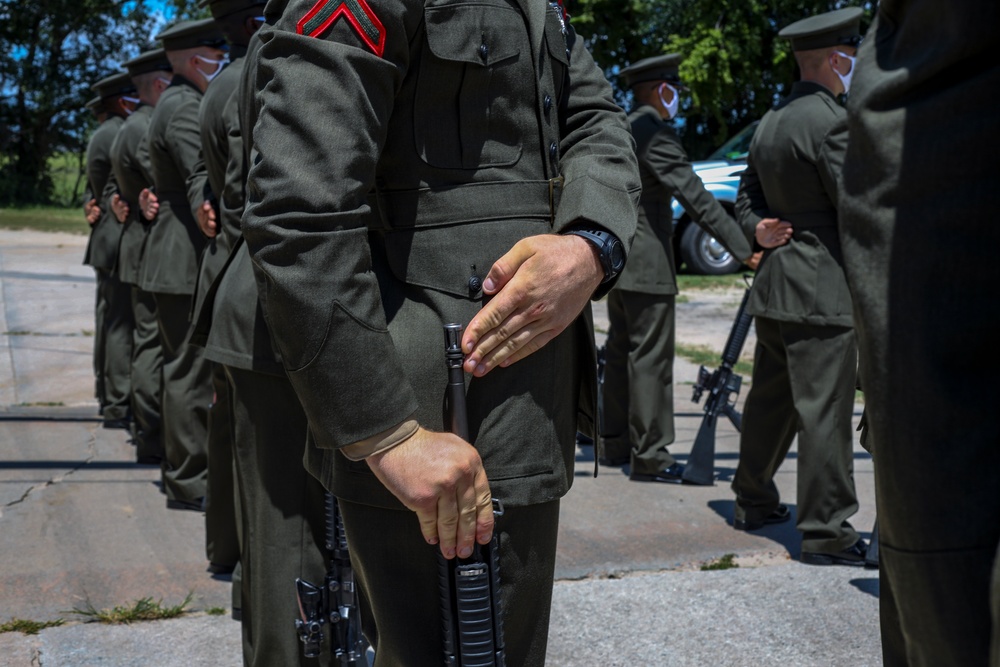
(610, 252)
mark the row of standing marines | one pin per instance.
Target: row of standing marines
(266, 301)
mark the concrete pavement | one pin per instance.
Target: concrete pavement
(80, 523)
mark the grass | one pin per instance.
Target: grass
(28, 627)
(144, 609)
(216, 611)
(65, 171)
(691, 282)
(45, 219)
(726, 562)
(44, 404)
(709, 358)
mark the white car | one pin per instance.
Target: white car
(721, 174)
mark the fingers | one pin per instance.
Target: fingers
(500, 308)
(504, 268)
(484, 514)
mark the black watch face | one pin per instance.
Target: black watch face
(617, 256)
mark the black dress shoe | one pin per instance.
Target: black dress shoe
(614, 461)
(197, 505)
(220, 569)
(853, 556)
(672, 475)
(779, 515)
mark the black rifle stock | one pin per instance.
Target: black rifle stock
(723, 386)
(336, 603)
(470, 587)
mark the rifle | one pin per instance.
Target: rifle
(723, 386)
(336, 603)
(471, 613)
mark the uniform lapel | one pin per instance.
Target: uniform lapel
(534, 11)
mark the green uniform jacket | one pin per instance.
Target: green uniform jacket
(792, 173)
(461, 127)
(170, 263)
(130, 157)
(231, 322)
(214, 165)
(918, 224)
(666, 173)
(102, 248)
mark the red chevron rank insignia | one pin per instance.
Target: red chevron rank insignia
(357, 12)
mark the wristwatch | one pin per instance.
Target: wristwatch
(610, 250)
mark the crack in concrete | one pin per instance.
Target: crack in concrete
(91, 455)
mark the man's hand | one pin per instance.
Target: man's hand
(206, 220)
(92, 212)
(149, 204)
(754, 260)
(540, 286)
(441, 478)
(772, 232)
(119, 207)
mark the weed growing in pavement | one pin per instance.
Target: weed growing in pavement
(216, 611)
(726, 562)
(144, 609)
(709, 358)
(28, 627)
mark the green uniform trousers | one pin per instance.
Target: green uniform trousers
(100, 306)
(639, 380)
(404, 623)
(147, 376)
(187, 395)
(222, 546)
(803, 384)
(282, 513)
(116, 339)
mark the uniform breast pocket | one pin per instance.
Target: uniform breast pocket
(476, 85)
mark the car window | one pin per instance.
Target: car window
(737, 147)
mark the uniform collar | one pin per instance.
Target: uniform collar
(800, 88)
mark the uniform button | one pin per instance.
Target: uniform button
(484, 51)
(547, 103)
(553, 150)
(475, 284)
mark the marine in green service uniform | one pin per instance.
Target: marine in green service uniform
(236, 19)
(282, 505)
(113, 321)
(382, 205)
(195, 50)
(151, 74)
(919, 233)
(638, 375)
(805, 362)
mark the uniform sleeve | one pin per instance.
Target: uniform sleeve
(670, 163)
(184, 144)
(831, 158)
(751, 206)
(197, 187)
(322, 106)
(598, 160)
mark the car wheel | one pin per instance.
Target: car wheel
(703, 254)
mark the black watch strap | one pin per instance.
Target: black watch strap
(610, 251)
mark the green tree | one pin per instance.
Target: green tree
(51, 52)
(734, 63)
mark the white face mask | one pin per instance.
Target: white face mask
(845, 78)
(219, 64)
(134, 101)
(674, 104)
(165, 80)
